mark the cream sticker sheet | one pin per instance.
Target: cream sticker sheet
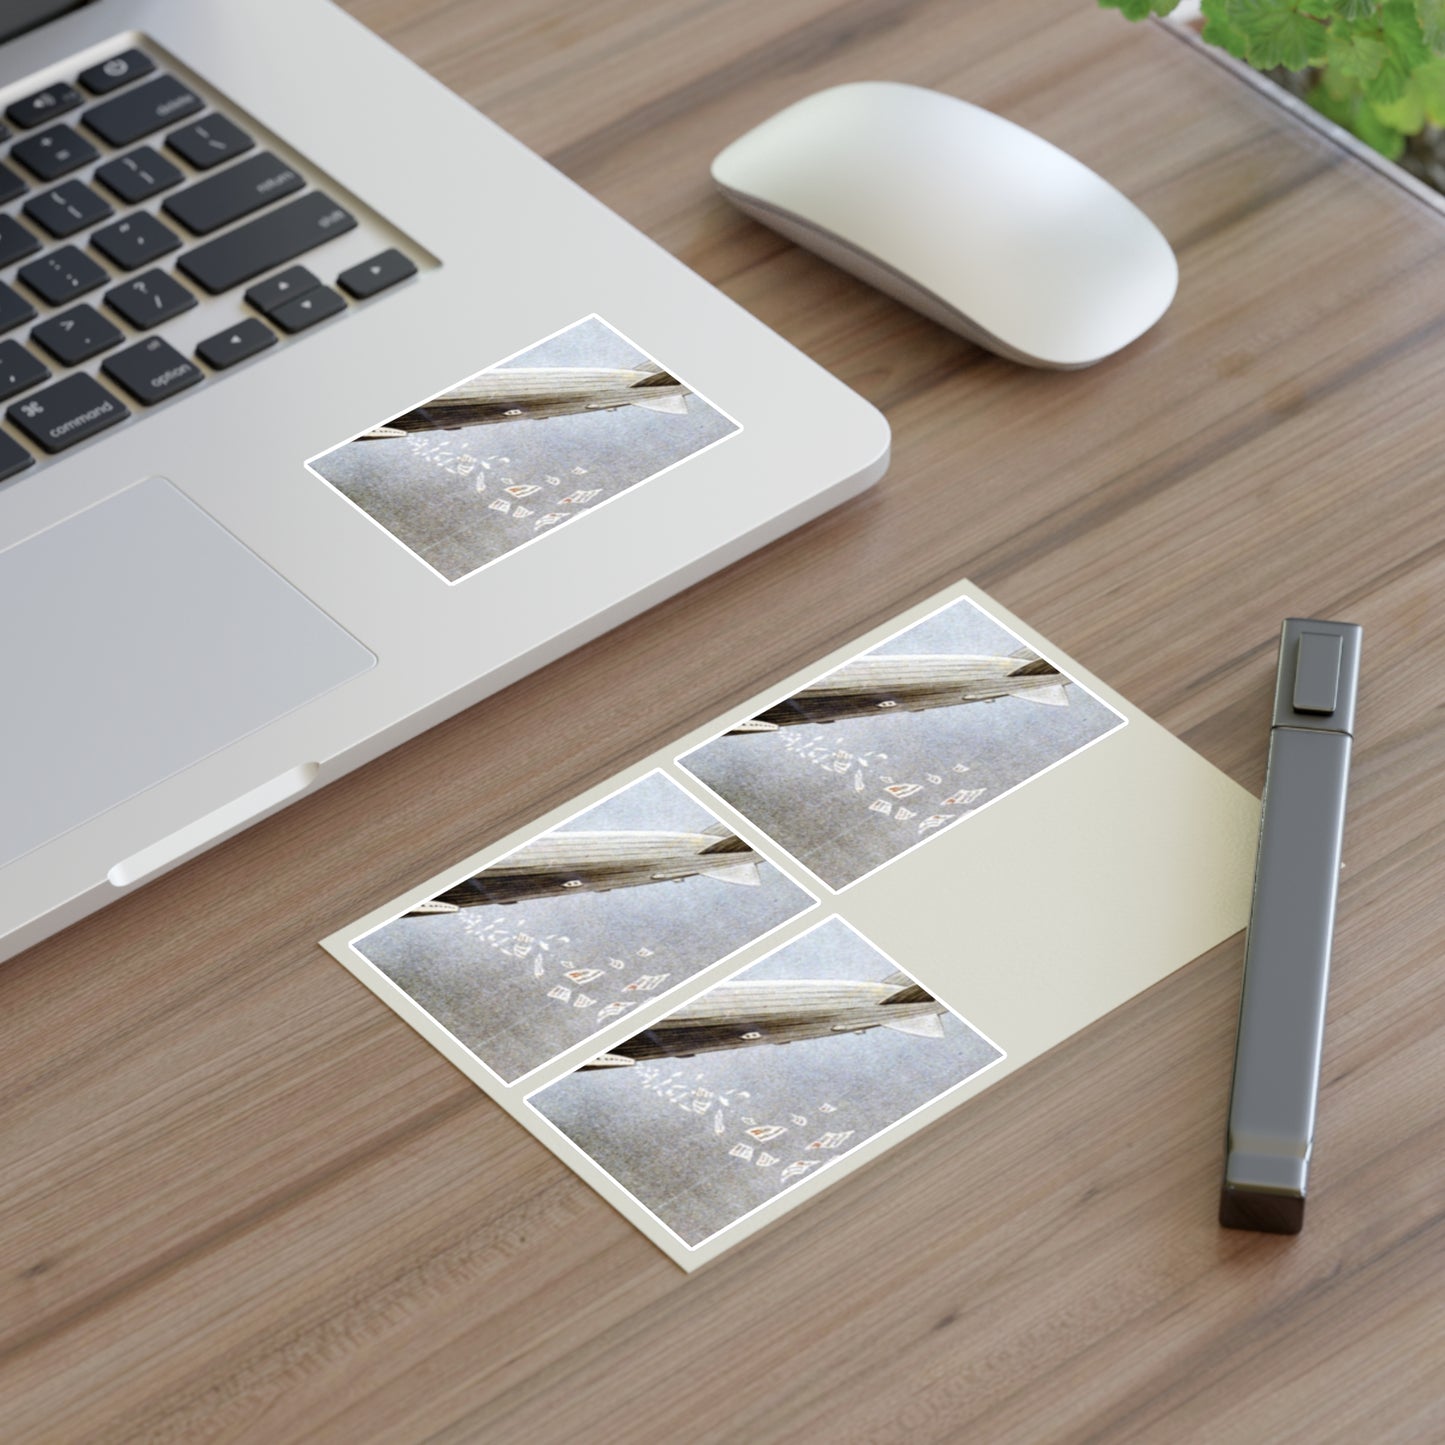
(754, 961)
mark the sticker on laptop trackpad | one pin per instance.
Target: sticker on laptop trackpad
(517, 451)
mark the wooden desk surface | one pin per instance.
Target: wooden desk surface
(242, 1201)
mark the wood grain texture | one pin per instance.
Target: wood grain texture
(241, 1201)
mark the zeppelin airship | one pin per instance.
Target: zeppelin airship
(557, 864)
(869, 686)
(531, 393)
(781, 1011)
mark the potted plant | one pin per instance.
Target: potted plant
(1376, 68)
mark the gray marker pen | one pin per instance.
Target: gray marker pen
(1287, 952)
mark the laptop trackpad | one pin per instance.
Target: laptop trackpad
(136, 639)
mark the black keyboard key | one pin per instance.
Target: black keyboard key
(53, 153)
(208, 142)
(10, 185)
(68, 208)
(135, 240)
(13, 458)
(235, 192)
(149, 299)
(307, 310)
(119, 70)
(44, 105)
(235, 343)
(140, 111)
(284, 286)
(15, 241)
(138, 176)
(74, 408)
(14, 308)
(77, 335)
(152, 370)
(376, 274)
(19, 369)
(62, 275)
(266, 242)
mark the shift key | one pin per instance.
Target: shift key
(266, 242)
(235, 192)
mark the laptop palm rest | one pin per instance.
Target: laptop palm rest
(137, 638)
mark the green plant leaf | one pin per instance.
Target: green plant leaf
(1139, 9)
(1431, 17)
(1356, 9)
(1356, 56)
(1220, 30)
(1428, 81)
(1357, 117)
(1377, 134)
(1276, 33)
(1401, 29)
(1396, 29)
(1333, 107)
(1389, 84)
(1406, 115)
(1339, 86)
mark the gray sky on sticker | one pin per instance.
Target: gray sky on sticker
(801, 785)
(675, 1160)
(423, 488)
(454, 965)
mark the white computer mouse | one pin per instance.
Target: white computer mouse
(967, 217)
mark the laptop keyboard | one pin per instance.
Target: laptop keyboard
(128, 201)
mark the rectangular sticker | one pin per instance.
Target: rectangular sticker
(764, 1080)
(562, 937)
(900, 743)
(521, 449)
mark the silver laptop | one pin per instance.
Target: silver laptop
(326, 410)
